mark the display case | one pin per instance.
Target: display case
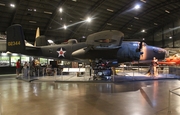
(4, 60)
(43, 61)
(24, 59)
(13, 59)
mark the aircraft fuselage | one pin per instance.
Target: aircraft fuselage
(126, 53)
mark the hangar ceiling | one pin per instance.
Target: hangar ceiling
(106, 14)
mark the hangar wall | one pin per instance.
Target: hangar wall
(166, 36)
(2, 45)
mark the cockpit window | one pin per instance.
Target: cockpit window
(137, 44)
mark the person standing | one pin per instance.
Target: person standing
(25, 70)
(18, 68)
(154, 66)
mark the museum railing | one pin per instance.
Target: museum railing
(169, 97)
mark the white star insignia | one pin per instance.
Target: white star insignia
(61, 52)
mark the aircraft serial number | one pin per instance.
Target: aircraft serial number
(14, 43)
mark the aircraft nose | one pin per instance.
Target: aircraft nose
(157, 52)
(161, 52)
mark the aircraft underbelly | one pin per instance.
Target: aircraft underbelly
(127, 53)
(95, 54)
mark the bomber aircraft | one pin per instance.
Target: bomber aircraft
(106, 45)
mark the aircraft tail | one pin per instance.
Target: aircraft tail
(37, 35)
(15, 39)
(40, 40)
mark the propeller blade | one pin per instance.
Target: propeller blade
(140, 46)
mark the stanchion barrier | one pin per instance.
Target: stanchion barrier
(169, 98)
(0, 105)
(55, 73)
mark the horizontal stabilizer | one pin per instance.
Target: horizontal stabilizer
(32, 48)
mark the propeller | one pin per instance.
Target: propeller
(140, 46)
(139, 50)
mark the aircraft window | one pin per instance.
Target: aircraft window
(135, 44)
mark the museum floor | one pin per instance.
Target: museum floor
(18, 97)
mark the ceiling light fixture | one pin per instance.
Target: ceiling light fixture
(88, 19)
(136, 18)
(1, 4)
(137, 6)
(29, 9)
(46, 12)
(155, 24)
(143, 30)
(143, 1)
(65, 27)
(109, 24)
(110, 10)
(12, 5)
(167, 11)
(32, 21)
(60, 10)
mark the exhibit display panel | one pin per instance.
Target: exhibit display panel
(43, 61)
(24, 59)
(4, 60)
(10, 59)
(13, 59)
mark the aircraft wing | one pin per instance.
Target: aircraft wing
(110, 39)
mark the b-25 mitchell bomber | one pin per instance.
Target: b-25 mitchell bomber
(106, 45)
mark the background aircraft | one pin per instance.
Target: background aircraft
(107, 45)
(171, 60)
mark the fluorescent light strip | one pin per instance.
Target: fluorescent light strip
(143, 1)
(32, 21)
(136, 18)
(167, 11)
(1, 4)
(110, 10)
(46, 12)
(155, 24)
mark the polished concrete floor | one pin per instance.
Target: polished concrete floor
(18, 97)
